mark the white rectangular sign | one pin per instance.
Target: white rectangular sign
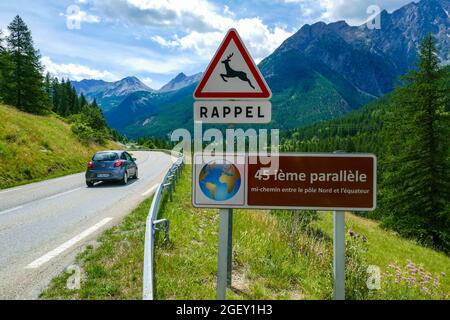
(233, 111)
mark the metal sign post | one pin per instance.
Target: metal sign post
(339, 255)
(230, 248)
(232, 90)
(225, 252)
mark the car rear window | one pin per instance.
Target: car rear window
(106, 156)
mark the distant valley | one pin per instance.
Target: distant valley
(319, 73)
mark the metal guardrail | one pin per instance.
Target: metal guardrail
(152, 223)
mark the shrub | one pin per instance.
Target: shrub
(87, 135)
(356, 269)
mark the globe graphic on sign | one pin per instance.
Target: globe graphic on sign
(220, 181)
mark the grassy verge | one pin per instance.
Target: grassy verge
(276, 256)
(113, 269)
(264, 267)
(34, 148)
(405, 265)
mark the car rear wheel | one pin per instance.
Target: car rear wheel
(125, 178)
(90, 184)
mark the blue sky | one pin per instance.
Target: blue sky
(156, 39)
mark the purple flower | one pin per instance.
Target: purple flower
(425, 290)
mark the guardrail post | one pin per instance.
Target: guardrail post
(170, 192)
(172, 181)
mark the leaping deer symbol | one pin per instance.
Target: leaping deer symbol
(233, 73)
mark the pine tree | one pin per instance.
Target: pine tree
(97, 119)
(5, 67)
(2, 48)
(63, 106)
(48, 88)
(71, 99)
(417, 181)
(56, 95)
(83, 102)
(26, 81)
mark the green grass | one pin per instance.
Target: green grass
(112, 269)
(264, 266)
(34, 148)
(274, 257)
(386, 248)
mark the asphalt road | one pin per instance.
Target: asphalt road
(44, 225)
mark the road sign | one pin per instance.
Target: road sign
(233, 111)
(298, 181)
(232, 74)
(232, 89)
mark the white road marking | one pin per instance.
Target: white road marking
(10, 190)
(11, 210)
(146, 193)
(66, 245)
(62, 194)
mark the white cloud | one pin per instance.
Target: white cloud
(355, 11)
(82, 16)
(148, 81)
(75, 71)
(352, 11)
(189, 15)
(260, 39)
(167, 65)
(203, 24)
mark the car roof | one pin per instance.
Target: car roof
(112, 151)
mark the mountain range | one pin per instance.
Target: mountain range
(320, 72)
(109, 94)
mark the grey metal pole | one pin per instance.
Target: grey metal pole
(223, 254)
(339, 255)
(230, 248)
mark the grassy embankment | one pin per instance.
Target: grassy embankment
(274, 258)
(34, 148)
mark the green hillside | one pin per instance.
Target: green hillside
(358, 131)
(304, 90)
(34, 148)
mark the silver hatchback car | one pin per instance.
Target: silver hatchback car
(111, 166)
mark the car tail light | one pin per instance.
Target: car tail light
(90, 165)
(118, 163)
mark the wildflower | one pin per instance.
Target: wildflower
(427, 277)
(436, 284)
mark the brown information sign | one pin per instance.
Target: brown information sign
(344, 182)
(287, 181)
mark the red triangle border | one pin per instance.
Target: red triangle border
(265, 91)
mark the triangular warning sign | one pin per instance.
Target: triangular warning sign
(232, 74)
